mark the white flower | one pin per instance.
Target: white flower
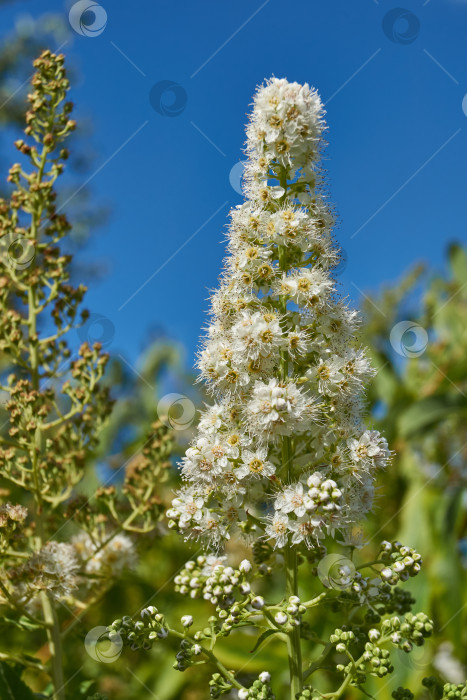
(278, 528)
(245, 566)
(212, 527)
(298, 343)
(356, 367)
(306, 530)
(279, 408)
(211, 563)
(211, 419)
(287, 122)
(206, 460)
(54, 569)
(292, 500)
(307, 288)
(187, 620)
(358, 496)
(255, 464)
(338, 325)
(257, 334)
(112, 558)
(371, 449)
(328, 374)
(188, 506)
(264, 677)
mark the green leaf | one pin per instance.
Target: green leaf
(262, 638)
(23, 623)
(429, 411)
(11, 685)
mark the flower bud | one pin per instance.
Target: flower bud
(245, 566)
(281, 618)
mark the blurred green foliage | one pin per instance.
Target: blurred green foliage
(419, 400)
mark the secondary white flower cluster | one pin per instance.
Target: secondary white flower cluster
(283, 453)
(53, 569)
(104, 558)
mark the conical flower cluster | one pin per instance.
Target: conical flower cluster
(283, 453)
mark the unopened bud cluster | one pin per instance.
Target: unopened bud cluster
(139, 634)
(379, 660)
(217, 583)
(411, 630)
(260, 689)
(401, 562)
(402, 694)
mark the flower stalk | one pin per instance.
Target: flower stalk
(56, 407)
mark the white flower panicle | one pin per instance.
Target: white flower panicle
(108, 558)
(284, 452)
(53, 569)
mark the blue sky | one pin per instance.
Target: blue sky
(397, 138)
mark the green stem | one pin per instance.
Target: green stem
(55, 646)
(211, 656)
(294, 649)
(48, 607)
